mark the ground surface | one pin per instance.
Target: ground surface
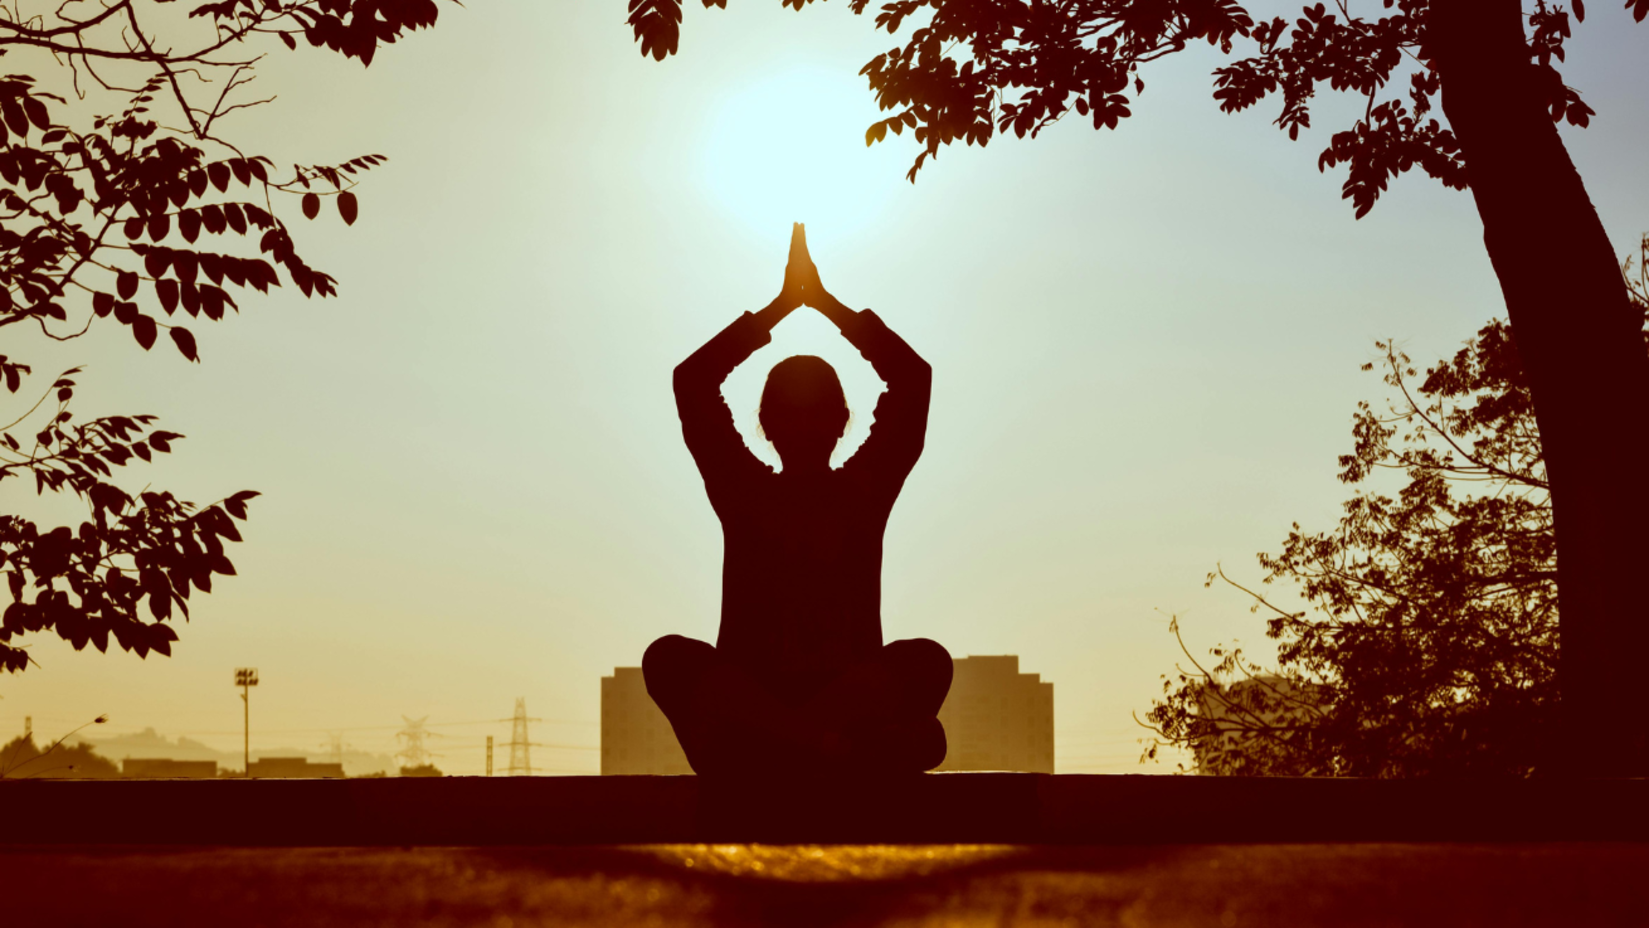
(1340, 885)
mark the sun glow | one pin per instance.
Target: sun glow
(792, 149)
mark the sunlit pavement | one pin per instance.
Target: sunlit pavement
(810, 885)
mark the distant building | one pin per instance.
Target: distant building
(636, 738)
(293, 767)
(997, 718)
(166, 768)
(422, 770)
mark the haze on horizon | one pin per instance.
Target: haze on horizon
(1145, 342)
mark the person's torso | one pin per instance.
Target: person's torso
(801, 578)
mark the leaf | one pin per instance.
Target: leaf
(211, 216)
(211, 302)
(212, 266)
(291, 43)
(236, 505)
(126, 284)
(185, 342)
(167, 290)
(143, 329)
(184, 266)
(347, 207)
(311, 206)
(188, 223)
(103, 304)
(657, 26)
(16, 120)
(157, 260)
(218, 173)
(36, 112)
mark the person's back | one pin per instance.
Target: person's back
(801, 576)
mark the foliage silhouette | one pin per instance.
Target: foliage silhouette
(1431, 644)
(22, 759)
(106, 216)
(970, 69)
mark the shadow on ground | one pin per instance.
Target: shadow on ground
(830, 885)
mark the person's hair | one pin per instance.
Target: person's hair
(803, 391)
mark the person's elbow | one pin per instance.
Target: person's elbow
(920, 372)
(685, 377)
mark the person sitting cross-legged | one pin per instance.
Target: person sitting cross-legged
(799, 678)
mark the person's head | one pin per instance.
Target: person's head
(803, 411)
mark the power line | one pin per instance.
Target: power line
(328, 729)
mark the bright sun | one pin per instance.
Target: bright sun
(792, 149)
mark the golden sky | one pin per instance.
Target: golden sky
(1145, 343)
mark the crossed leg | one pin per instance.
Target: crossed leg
(878, 716)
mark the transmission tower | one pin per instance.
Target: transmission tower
(412, 738)
(520, 745)
(335, 746)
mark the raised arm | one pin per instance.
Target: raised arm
(901, 419)
(706, 423)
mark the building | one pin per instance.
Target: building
(997, 718)
(293, 767)
(636, 738)
(166, 768)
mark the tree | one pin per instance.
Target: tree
(1431, 643)
(972, 68)
(22, 759)
(107, 215)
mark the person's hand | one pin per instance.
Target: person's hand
(796, 276)
(800, 276)
(806, 274)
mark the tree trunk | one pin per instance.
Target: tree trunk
(1581, 342)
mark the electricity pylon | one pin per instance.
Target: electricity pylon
(415, 754)
(520, 745)
(335, 745)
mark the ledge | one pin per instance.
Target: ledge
(936, 808)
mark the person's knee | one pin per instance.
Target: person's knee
(672, 665)
(930, 746)
(925, 664)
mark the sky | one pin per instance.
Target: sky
(1146, 347)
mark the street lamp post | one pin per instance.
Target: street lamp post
(246, 678)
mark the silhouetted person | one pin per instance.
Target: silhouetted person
(799, 677)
